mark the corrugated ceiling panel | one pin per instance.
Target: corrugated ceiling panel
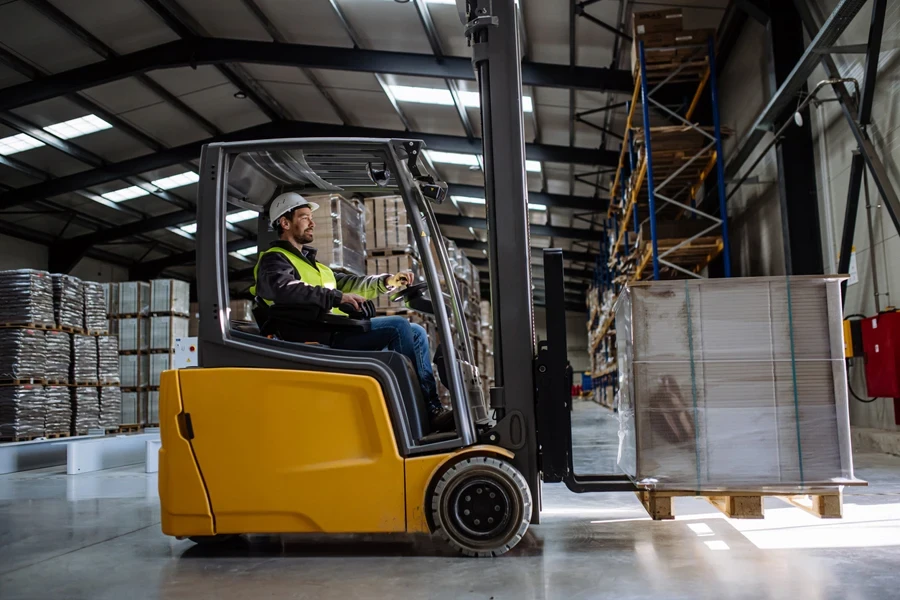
(51, 160)
(185, 80)
(450, 30)
(293, 20)
(26, 32)
(121, 96)
(370, 109)
(380, 24)
(10, 77)
(166, 124)
(124, 25)
(347, 80)
(226, 18)
(219, 105)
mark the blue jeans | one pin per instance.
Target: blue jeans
(399, 335)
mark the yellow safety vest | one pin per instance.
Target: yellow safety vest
(320, 275)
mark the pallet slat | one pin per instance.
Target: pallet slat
(825, 504)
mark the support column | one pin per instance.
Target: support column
(796, 161)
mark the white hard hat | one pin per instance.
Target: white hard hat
(287, 202)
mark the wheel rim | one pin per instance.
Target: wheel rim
(484, 534)
(480, 508)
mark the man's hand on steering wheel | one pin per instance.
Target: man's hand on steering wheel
(401, 279)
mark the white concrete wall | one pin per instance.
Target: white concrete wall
(576, 337)
(754, 212)
(834, 149)
(19, 254)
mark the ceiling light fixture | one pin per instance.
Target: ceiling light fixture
(473, 200)
(240, 95)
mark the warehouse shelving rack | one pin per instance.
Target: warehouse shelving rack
(683, 159)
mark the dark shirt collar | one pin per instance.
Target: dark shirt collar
(308, 252)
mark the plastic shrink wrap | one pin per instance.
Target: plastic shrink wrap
(733, 384)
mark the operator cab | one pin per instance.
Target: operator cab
(240, 176)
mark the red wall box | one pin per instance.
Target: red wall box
(881, 343)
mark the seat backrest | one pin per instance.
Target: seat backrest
(411, 397)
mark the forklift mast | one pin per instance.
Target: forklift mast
(492, 30)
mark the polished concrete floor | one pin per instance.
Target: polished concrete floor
(96, 536)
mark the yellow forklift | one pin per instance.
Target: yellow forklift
(270, 435)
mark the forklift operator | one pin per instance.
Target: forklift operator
(288, 273)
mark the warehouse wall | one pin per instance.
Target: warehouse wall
(754, 212)
(834, 149)
(19, 254)
(576, 336)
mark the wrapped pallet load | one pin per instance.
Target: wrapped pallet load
(733, 384)
(86, 407)
(95, 308)
(108, 359)
(134, 298)
(170, 297)
(84, 359)
(57, 409)
(23, 354)
(68, 302)
(165, 330)
(58, 345)
(26, 298)
(21, 411)
(110, 406)
(340, 234)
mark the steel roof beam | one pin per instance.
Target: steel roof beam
(573, 233)
(191, 52)
(191, 151)
(95, 44)
(582, 203)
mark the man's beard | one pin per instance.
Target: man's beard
(305, 237)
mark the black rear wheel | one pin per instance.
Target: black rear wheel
(482, 506)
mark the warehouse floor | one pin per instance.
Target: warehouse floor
(97, 536)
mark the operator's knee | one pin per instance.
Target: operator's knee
(419, 331)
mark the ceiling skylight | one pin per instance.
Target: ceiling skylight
(442, 96)
(166, 183)
(78, 127)
(18, 143)
(473, 200)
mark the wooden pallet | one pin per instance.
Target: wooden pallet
(27, 326)
(163, 313)
(132, 352)
(9, 382)
(70, 329)
(56, 382)
(29, 438)
(85, 384)
(395, 251)
(826, 504)
(131, 428)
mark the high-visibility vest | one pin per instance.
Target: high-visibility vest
(320, 275)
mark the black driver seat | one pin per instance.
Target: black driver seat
(309, 330)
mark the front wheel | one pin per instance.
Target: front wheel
(481, 506)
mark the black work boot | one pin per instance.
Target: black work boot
(442, 420)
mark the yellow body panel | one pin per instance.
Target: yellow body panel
(848, 340)
(183, 502)
(295, 451)
(281, 451)
(419, 473)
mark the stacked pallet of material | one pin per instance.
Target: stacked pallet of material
(340, 236)
(108, 360)
(132, 400)
(733, 384)
(68, 302)
(85, 409)
(57, 409)
(21, 411)
(23, 354)
(170, 297)
(110, 407)
(57, 368)
(96, 320)
(26, 298)
(133, 299)
(386, 226)
(134, 370)
(667, 44)
(84, 360)
(111, 295)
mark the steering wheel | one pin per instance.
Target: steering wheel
(410, 292)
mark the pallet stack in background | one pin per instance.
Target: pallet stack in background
(390, 249)
(56, 376)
